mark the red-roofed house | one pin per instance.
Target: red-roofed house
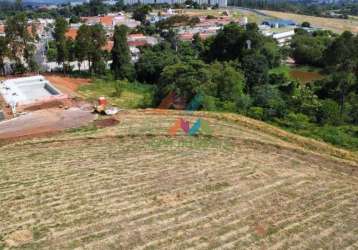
(136, 36)
(137, 43)
(2, 30)
(71, 33)
(106, 21)
(188, 36)
(90, 20)
(136, 40)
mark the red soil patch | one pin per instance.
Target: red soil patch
(68, 85)
(305, 76)
(106, 122)
(71, 33)
(50, 104)
(260, 230)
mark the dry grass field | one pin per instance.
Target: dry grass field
(243, 185)
(334, 24)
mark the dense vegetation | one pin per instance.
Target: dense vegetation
(234, 78)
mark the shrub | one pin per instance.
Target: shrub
(328, 113)
(269, 98)
(229, 106)
(296, 121)
(256, 113)
(210, 103)
(334, 136)
(243, 103)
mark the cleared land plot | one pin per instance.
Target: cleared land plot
(336, 25)
(132, 186)
(68, 85)
(301, 74)
(43, 122)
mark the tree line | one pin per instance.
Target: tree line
(18, 45)
(89, 46)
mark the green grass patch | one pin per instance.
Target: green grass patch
(283, 69)
(83, 129)
(131, 95)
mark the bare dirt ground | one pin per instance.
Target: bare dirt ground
(334, 24)
(304, 76)
(243, 185)
(43, 122)
(67, 85)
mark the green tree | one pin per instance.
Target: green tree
(152, 62)
(121, 59)
(186, 79)
(307, 49)
(305, 101)
(256, 69)
(141, 12)
(353, 113)
(198, 44)
(306, 24)
(342, 53)
(96, 7)
(270, 99)
(172, 21)
(4, 53)
(96, 54)
(228, 44)
(229, 82)
(21, 41)
(61, 27)
(83, 44)
(328, 112)
(272, 53)
(345, 83)
(75, 19)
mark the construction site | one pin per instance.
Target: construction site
(35, 105)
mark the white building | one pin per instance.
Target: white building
(283, 38)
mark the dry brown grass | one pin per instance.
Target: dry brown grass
(133, 186)
(334, 24)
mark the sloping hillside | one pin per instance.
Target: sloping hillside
(243, 184)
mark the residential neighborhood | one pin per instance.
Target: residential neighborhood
(206, 26)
